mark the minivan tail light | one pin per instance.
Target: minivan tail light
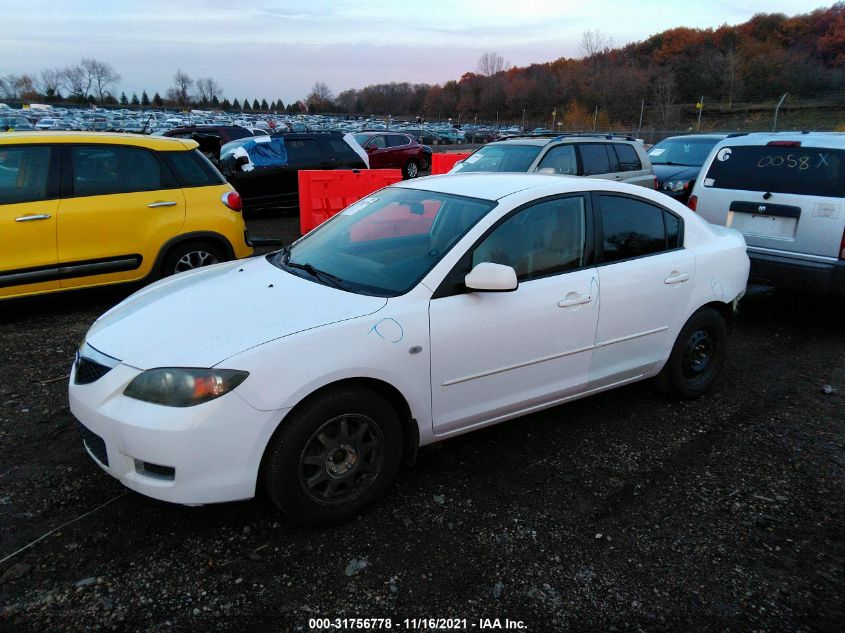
(842, 246)
(232, 199)
(785, 143)
(692, 203)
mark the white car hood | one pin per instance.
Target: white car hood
(201, 318)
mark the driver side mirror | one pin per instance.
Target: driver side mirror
(370, 149)
(489, 277)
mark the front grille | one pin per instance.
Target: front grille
(87, 371)
(95, 444)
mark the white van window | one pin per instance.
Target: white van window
(813, 171)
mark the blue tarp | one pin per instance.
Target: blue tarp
(264, 154)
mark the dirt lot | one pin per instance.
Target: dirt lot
(623, 511)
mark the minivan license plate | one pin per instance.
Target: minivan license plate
(772, 226)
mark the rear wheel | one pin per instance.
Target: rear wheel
(697, 356)
(334, 456)
(412, 169)
(192, 255)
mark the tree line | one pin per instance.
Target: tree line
(758, 60)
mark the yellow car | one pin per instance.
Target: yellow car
(81, 210)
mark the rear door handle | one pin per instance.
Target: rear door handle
(166, 203)
(33, 218)
(676, 278)
(574, 299)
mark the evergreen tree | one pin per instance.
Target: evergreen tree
(226, 105)
(236, 105)
(215, 101)
(264, 105)
(145, 100)
(123, 99)
(135, 101)
(280, 105)
(246, 105)
(157, 100)
(256, 105)
(273, 106)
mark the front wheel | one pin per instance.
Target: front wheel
(697, 356)
(334, 456)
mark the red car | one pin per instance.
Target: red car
(395, 150)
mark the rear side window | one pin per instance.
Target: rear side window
(24, 173)
(628, 158)
(594, 159)
(106, 169)
(633, 228)
(193, 169)
(812, 171)
(397, 140)
(303, 150)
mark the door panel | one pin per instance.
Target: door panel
(28, 244)
(493, 354)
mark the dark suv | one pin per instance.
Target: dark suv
(394, 150)
(266, 174)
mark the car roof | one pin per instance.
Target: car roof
(707, 137)
(492, 185)
(810, 139)
(99, 138)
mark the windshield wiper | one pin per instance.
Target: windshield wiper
(669, 162)
(332, 280)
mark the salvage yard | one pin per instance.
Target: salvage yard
(622, 511)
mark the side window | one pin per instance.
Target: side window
(561, 159)
(378, 142)
(193, 169)
(628, 158)
(105, 169)
(673, 230)
(24, 173)
(594, 159)
(544, 239)
(632, 228)
(303, 150)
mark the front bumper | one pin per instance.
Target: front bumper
(193, 455)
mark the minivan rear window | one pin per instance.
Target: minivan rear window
(810, 171)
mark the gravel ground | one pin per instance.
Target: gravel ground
(623, 511)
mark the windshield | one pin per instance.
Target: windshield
(509, 157)
(688, 151)
(383, 244)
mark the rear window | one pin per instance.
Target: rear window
(628, 158)
(24, 173)
(811, 171)
(594, 159)
(304, 150)
(107, 169)
(193, 169)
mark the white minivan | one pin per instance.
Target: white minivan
(785, 193)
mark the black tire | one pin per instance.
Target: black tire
(697, 356)
(411, 169)
(191, 255)
(320, 472)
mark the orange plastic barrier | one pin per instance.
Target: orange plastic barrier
(442, 163)
(324, 193)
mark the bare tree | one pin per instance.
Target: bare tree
(731, 74)
(179, 93)
(102, 76)
(15, 87)
(207, 89)
(594, 42)
(78, 81)
(665, 92)
(52, 81)
(320, 97)
(490, 64)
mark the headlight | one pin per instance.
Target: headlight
(183, 387)
(675, 185)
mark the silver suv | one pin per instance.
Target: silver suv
(619, 158)
(785, 193)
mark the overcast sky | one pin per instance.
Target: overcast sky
(278, 49)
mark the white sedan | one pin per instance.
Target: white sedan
(428, 309)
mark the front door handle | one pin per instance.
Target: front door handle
(33, 218)
(156, 205)
(574, 299)
(676, 278)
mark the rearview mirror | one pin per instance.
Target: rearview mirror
(489, 277)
